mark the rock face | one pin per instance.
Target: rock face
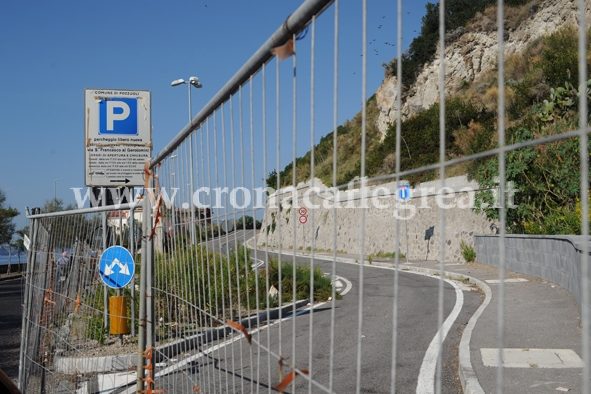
(469, 54)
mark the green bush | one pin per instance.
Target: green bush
(421, 134)
(562, 220)
(322, 284)
(218, 285)
(468, 252)
(545, 178)
(560, 57)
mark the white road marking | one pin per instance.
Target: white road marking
(340, 281)
(109, 382)
(532, 358)
(513, 280)
(426, 381)
(259, 263)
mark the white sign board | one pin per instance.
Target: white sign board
(117, 136)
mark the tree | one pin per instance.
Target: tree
(7, 214)
(247, 223)
(53, 205)
(272, 179)
(19, 244)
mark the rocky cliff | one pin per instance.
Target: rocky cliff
(471, 51)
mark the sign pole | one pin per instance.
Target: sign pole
(104, 224)
(304, 238)
(120, 244)
(406, 230)
(404, 195)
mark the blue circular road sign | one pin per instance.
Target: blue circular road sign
(116, 267)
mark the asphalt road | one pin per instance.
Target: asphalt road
(11, 295)
(235, 366)
(228, 241)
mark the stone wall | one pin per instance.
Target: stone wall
(555, 258)
(380, 219)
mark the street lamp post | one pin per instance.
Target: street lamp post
(172, 176)
(193, 81)
(55, 187)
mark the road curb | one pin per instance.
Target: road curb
(12, 276)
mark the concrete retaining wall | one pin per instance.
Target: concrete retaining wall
(415, 216)
(555, 258)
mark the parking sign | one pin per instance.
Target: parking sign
(118, 116)
(118, 136)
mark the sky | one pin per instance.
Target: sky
(52, 51)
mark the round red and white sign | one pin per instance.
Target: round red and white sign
(303, 219)
(302, 211)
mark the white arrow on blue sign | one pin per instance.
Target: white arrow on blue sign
(404, 192)
(116, 267)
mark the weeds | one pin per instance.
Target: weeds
(386, 255)
(468, 252)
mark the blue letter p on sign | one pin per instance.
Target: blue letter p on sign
(118, 116)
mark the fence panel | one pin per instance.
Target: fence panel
(67, 342)
(242, 262)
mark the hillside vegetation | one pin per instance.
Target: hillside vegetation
(541, 99)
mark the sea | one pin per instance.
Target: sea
(13, 259)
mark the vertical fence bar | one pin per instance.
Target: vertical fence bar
(104, 232)
(502, 180)
(151, 233)
(363, 191)
(442, 229)
(265, 175)
(28, 305)
(397, 230)
(142, 327)
(584, 155)
(132, 246)
(333, 271)
(313, 183)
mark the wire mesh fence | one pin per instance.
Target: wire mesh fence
(240, 277)
(66, 340)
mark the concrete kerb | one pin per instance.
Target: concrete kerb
(70, 365)
(12, 276)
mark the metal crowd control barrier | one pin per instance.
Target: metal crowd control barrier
(205, 315)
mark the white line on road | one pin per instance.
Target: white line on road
(532, 358)
(426, 382)
(347, 282)
(259, 263)
(512, 280)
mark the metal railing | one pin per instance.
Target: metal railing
(214, 309)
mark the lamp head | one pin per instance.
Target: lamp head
(178, 82)
(195, 82)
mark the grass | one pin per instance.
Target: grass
(214, 284)
(386, 255)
